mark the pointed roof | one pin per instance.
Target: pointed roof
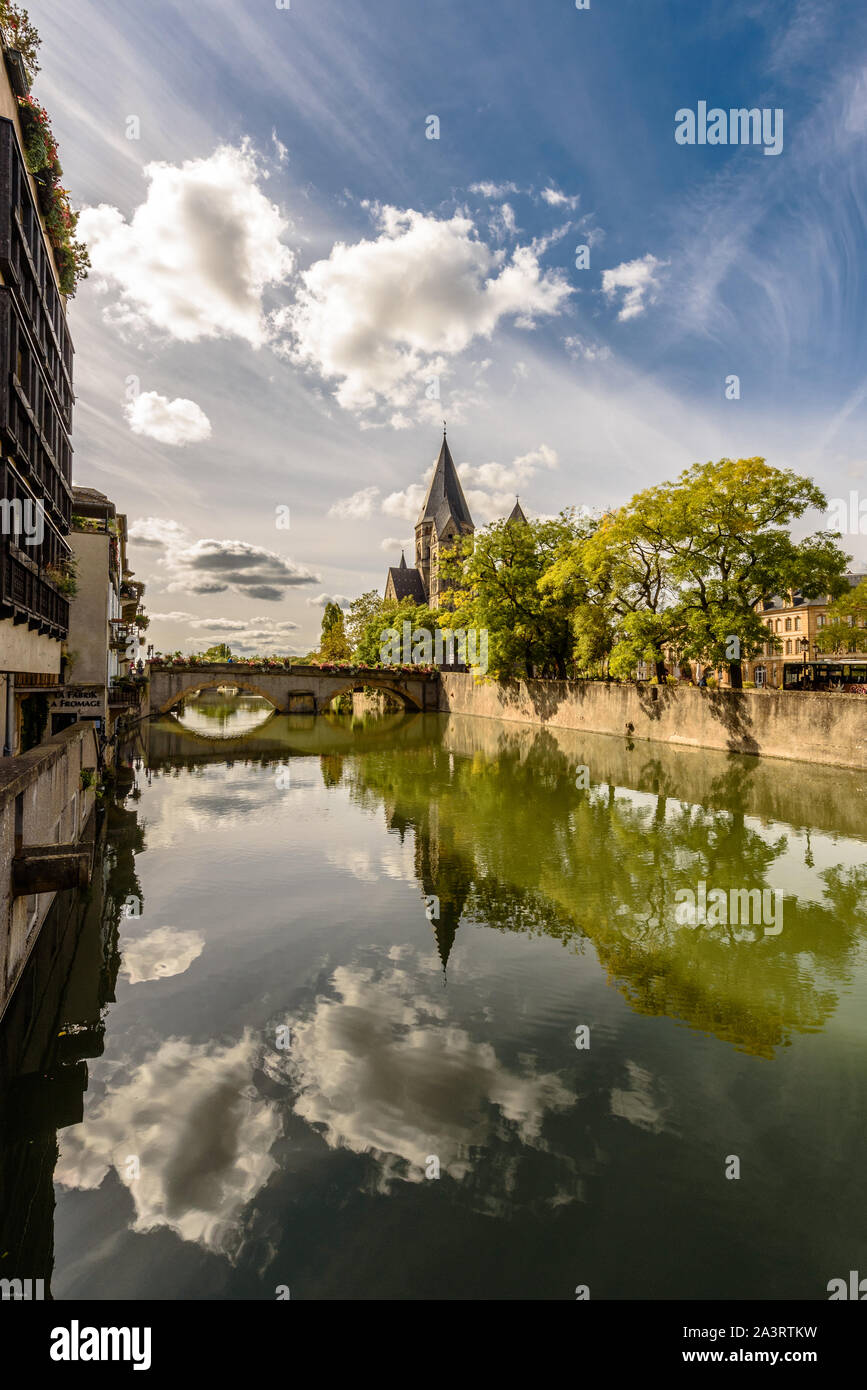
(516, 514)
(402, 564)
(445, 496)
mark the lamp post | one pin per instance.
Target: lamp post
(805, 647)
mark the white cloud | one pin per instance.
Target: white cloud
(184, 1098)
(220, 625)
(173, 617)
(321, 599)
(163, 952)
(555, 199)
(177, 422)
(379, 316)
(639, 282)
(347, 1087)
(502, 223)
(493, 190)
(156, 532)
(279, 148)
(390, 544)
(587, 349)
(490, 488)
(358, 507)
(198, 254)
(262, 635)
(406, 504)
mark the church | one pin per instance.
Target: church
(444, 517)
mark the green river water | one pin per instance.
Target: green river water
(314, 1026)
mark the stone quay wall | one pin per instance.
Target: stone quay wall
(808, 727)
(42, 803)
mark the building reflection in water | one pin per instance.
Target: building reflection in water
(54, 1024)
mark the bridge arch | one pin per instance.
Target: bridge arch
(402, 696)
(213, 683)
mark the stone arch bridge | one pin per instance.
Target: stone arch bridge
(290, 689)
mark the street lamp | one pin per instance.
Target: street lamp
(805, 647)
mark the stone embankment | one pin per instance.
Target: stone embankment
(808, 727)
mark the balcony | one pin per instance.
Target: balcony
(26, 598)
(122, 634)
(126, 694)
(28, 267)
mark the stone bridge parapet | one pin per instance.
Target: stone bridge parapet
(290, 689)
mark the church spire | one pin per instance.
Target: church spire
(445, 487)
(402, 564)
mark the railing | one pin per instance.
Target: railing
(35, 346)
(24, 596)
(24, 250)
(124, 696)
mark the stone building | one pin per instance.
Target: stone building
(794, 626)
(444, 518)
(796, 623)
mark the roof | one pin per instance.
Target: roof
(407, 583)
(88, 499)
(516, 514)
(777, 603)
(445, 496)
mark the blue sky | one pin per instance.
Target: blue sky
(284, 264)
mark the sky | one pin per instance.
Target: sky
(320, 228)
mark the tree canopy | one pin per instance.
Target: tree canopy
(679, 571)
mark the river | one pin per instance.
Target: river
(403, 1006)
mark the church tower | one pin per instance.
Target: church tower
(444, 517)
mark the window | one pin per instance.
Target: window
(797, 624)
(788, 625)
(820, 621)
(788, 649)
(760, 676)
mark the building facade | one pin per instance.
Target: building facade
(795, 627)
(35, 444)
(103, 634)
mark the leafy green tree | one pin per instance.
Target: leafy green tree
(361, 611)
(723, 530)
(218, 653)
(394, 615)
(626, 615)
(844, 632)
(494, 584)
(333, 645)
